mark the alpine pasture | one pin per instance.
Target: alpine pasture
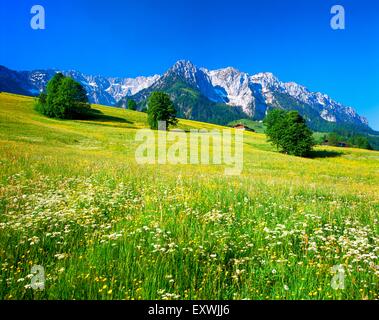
(74, 200)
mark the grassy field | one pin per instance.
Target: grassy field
(74, 200)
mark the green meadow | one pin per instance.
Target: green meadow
(74, 200)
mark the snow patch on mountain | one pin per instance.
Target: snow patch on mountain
(121, 87)
(234, 87)
(328, 117)
(243, 90)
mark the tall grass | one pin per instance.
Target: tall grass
(73, 200)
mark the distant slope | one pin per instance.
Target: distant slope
(14, 82)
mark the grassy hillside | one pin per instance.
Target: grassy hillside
(257, 126)
(73, 200)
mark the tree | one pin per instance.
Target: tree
(71, 100)
(350, 138)
(334, 139)
(132, 105)
(275, 125)
(288, 131)
(47, 101)
(64, 99)
(161, 108)
(361, 142)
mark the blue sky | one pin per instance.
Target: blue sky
(293, 39)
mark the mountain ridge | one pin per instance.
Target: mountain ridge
(228, 91)
(100, 90)
(254, 94)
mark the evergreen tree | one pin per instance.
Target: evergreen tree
(297, 139)
(161, 108)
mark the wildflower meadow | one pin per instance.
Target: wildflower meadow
(74, 201)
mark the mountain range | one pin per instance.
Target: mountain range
(100, 90)
(217, 96)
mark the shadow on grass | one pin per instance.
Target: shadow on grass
(97, 115)
(324, 154)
